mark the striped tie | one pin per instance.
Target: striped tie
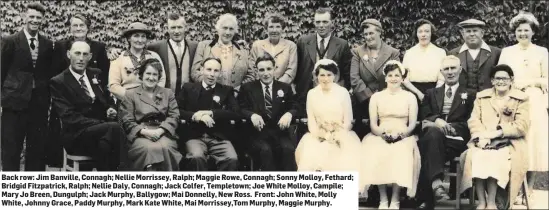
(268, 101)
(84, 86)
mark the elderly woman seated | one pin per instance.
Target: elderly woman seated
(497, 148)
(150, 116)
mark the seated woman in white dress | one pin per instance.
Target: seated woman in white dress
(330, 145)
(390, 156)
(498, 153)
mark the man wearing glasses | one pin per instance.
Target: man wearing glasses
(477, 57)
(444, 114)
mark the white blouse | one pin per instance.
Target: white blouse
(424, 64)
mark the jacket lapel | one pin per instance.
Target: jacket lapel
(311, 49)
(236, 56)
(383, 56)
(97, 90)
(333, 45)
(369, 67)
(276, 100)
(439, 97)
(196, 90)
(75, 85)
(258, 96)
(483, 56)
(42, 47)
(24, 45)
(280, 47)
(457, 99)
(146, 99)
(463, 58)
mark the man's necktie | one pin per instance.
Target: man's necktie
(84, 86)
(322, 48)
(32, 45)
(449, 92)
(268, 101)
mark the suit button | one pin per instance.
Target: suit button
(497, 115)
(234, 72)
(233, 81)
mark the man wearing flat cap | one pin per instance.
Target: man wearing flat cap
(322, 44)
(477, 57)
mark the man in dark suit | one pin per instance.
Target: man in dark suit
(26, 62)
(444, 111)
(322, 44)
(269, 105)
(208, 107)
(477, 57)
(177, 54)
(79, 26)
(87, 113)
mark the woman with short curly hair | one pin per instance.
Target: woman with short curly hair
(530, 63)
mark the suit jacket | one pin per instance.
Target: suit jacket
(240, 72)
(285, 58)
(138, 105)
(18, 72)
(338, 50)
(252, 101)
(367, 78)
(486, 62)
(223, 112)
(460, 111)
(75, 108)
(161, 47)
(99, 58)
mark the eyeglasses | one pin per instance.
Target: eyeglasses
(501, 79)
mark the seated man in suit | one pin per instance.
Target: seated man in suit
(444, 111)
(271, 116)
(209, 107)
(88, 118)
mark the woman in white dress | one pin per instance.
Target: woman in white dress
(330, 145)
(530, 64)
(390, 157)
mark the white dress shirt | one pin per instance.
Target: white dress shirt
(86, 80)
(454, 88)
(474, 52)
(326, 41)
(270, 89)
(27, 34)
(178, 49)
(206, 85)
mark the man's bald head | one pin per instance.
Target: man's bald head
(79, 55)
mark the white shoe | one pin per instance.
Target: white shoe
(395, 205)
(383, 205)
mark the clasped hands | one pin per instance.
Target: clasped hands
(205, 116)
(152, 134)
(283, 123)
(111, 114)
(485, 139)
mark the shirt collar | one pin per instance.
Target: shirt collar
(454, 87)
(174, 43)
(76, 75)
(482, 46)
(28, 36)
(326, 40)
(270, 85)
(206, 85)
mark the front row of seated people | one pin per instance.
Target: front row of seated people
(487, 128)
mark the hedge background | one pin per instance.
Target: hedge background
(110, 18)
